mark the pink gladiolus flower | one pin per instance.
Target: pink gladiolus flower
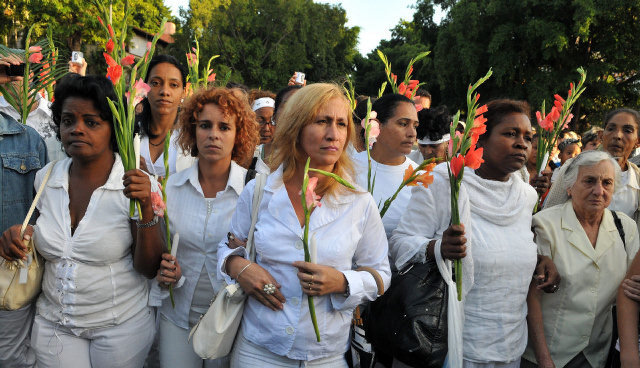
(157, 204)
(481, 110)
(114, 73)
(312, 199)
(374, 130)
(191, 59)
(450, 147)
(35, 49)
(394, 77)
(212, 77)
(101, 22)
(141, 89)
(148, 45)
(558, 105)
(539, 118)
(411, 70)
(127, 60)
(111, 34)
(35, 58)
(473, 158)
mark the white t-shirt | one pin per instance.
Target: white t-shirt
(387, 180)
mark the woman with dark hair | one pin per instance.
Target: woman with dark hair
(433, 134)
(92, 311)
(495, 210)
(398, 119)
(167, 79)
(218, 129)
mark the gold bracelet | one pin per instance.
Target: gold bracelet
(242, 270)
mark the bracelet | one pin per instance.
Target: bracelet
(153, 222)
(242, 270)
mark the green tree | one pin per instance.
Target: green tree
(535, 46)
(264, 41)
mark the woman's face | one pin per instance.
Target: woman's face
(571, 151)
(215, 134)
(398, 133)
(167, 90)
(593, 189)
(433, 150)
(83, 133)
(324, 139)
(264, 116)
(620, 136)
(508, 147)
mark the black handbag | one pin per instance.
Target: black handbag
(409, 322)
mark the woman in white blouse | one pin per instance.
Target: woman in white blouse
(93, 308)
(167, 79)
(398, 121)
(619, 139)
(276, 326)
(495, 210)
(219, 129)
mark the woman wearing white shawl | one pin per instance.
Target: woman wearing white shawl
(488, 328)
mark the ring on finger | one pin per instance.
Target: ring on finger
(269, 289)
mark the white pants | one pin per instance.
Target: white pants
(15, 348)
(514, 364)
(124, 346)
(246, 354)
(177, 351)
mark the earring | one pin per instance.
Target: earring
(181, 100)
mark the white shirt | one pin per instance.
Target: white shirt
(261, 166)
(416, 156)
(348, 232)
(387, 180)
(625, 198)
(89, 280)
(40, 120)
(178, 159)
(504, 256)
(199, 234)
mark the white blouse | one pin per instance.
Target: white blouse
(387, 180)
(89, 280)
(497, 218)
(625, 198)
(199, 233)
(348, 233)
(178, 159)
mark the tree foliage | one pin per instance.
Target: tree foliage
(533, 46)
(74, 22)
(264, 41)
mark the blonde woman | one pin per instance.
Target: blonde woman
(276, 329)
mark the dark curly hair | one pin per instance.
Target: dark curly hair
(246, 128)
(434, 123)
(386, 106)
(92, 87)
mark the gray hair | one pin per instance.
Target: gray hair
(569, 174)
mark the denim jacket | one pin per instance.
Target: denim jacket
(22, 153)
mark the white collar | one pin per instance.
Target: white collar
(235, 181)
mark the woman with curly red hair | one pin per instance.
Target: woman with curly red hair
(218, 128)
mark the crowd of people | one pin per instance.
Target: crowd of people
(539, 289)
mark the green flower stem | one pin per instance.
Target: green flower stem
(167, 143)
(305, 243)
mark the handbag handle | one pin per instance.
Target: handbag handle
(261, 179)
(376, 277)
(35, 199)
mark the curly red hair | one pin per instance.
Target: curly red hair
(246, 130)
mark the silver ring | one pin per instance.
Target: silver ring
(269, 289)
(555, 288)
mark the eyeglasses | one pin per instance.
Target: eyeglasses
(270, 122)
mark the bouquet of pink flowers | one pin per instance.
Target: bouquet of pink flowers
(195, 80)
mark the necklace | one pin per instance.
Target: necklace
(161, 143)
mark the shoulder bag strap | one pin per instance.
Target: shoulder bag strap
(36, 198)
(618, 223)
(376, 276)
(257, 198)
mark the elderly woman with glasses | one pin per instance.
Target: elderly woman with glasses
(592, 248)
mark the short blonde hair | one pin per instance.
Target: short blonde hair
(231, 105)
(298, 112)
